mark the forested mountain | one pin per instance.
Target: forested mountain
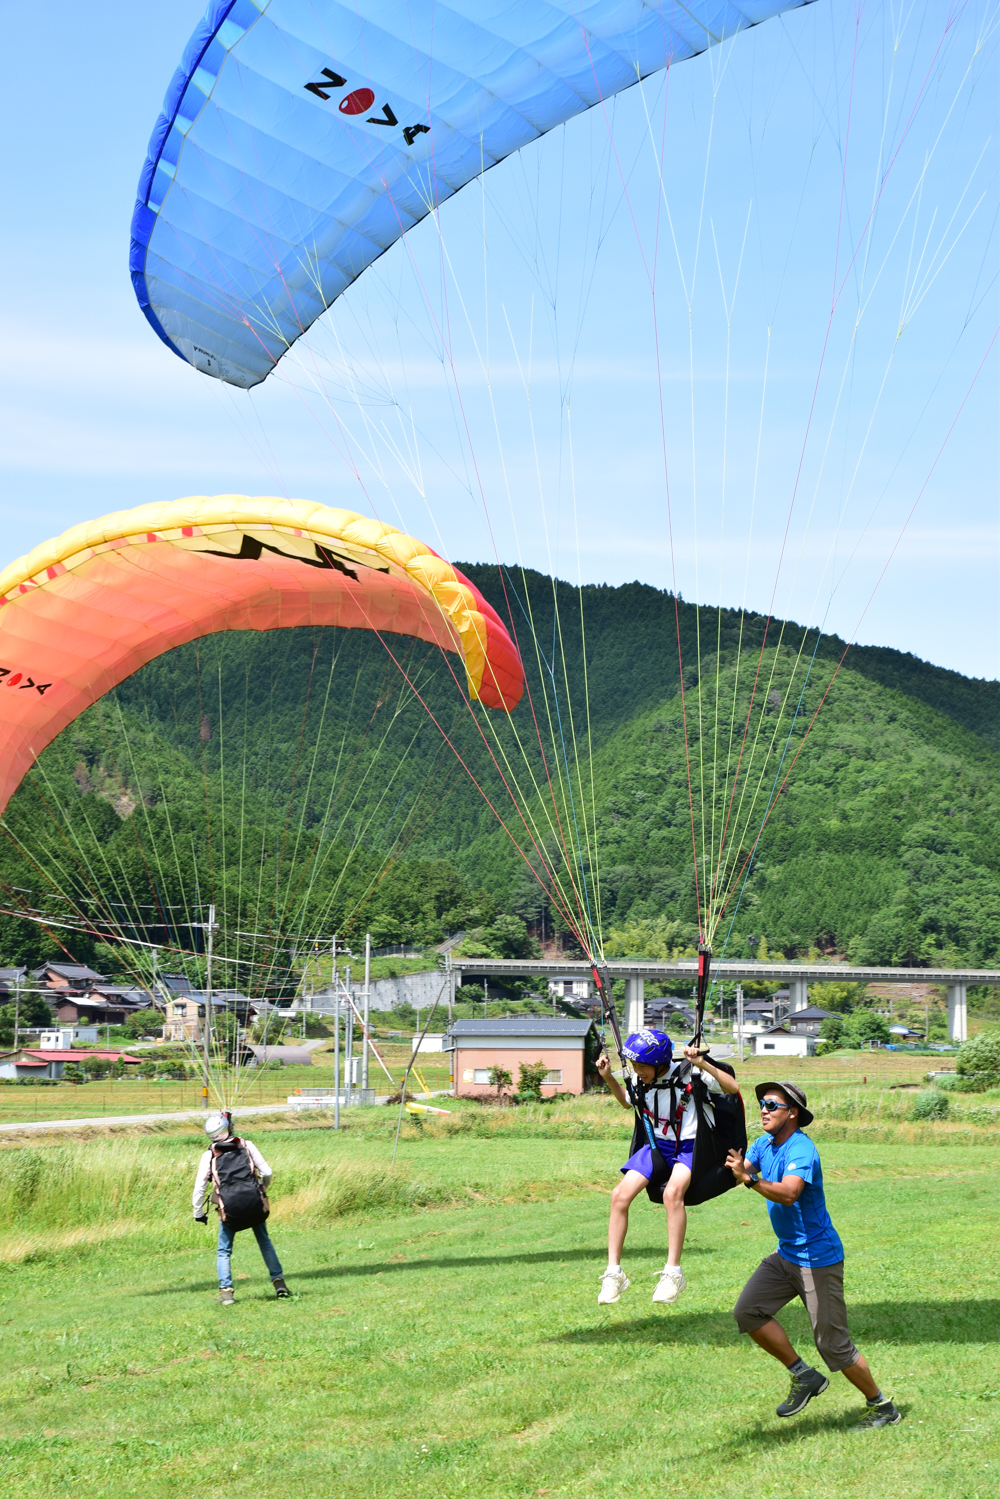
(302, 782)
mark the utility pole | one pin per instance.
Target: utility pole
(348, 1036)
(209, 930)
(336, 1036)
(17, 1006)
(366, 1011)
(739, 1016)
(486, 998)
(450, 971)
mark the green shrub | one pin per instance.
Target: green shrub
(500, 1079)
(980, 1059)
(530, 1077)
(930, 1104)
(73, 1074)
(952, 1083)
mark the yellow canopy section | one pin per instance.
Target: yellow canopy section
(87, 609)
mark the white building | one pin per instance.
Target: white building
(781, 1042)
(577, 987)
(431, 1042)
(62, 1039)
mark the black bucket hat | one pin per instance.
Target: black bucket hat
(794, 1094)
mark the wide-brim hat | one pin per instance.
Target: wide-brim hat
(794, 1094)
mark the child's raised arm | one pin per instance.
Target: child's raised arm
(726, 1083)
(604, 1068)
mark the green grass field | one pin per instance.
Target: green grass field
(444, 1339)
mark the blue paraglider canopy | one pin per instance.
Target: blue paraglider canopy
(301, 138)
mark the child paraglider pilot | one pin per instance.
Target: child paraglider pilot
(239, 1176)
(667, 1100)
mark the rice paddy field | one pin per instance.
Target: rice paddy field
(443, 1336)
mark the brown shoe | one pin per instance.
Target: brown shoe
(226, 1297)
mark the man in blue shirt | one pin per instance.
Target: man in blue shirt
(783, 1167)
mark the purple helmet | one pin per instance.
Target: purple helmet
(649, 1046)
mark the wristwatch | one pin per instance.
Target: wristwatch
(754, 1179)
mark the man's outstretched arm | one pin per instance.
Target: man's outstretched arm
(787, 1191)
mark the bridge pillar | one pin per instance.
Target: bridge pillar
(957, 1028)
(798, 995)
(635, 1003)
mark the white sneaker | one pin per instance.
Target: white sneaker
(613, 1283)
(670, 1284)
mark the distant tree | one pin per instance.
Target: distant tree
(866, 1026)
(267, 1030)
(979, 1058)
(508, 935)
(500, 1079)
(143, 1023)
(832, 1028)
(838, 997)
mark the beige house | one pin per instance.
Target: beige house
(183, 1019)
(477, 1046)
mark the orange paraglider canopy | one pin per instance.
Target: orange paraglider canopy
(84, 611)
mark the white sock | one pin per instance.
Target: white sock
(612, 1267)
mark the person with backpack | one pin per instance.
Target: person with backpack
(239, 1178)
(667, 1096)
(783, 1166)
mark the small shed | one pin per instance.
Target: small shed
(779, 1041)
(288, 1056)
(480, 1045)
(43, 1062)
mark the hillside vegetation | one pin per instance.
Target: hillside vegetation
(297, 780)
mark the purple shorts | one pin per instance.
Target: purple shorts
(642, 1161)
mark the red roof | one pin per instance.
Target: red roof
(56, 1054)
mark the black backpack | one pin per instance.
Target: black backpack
(237, 1193)
(712, 1143)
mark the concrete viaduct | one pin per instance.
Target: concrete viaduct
(796, 976)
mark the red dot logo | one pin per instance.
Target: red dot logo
(358, 102)
(15, 679)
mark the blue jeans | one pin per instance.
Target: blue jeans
(267, 1249)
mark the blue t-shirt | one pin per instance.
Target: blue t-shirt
(806, 1236)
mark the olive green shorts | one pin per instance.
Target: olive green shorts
(777, 1281)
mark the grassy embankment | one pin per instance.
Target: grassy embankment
(444, 1337)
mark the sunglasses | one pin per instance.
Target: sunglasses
(771, 1105)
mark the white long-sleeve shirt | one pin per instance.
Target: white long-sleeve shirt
(203, 1180)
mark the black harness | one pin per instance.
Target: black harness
(714, 1138)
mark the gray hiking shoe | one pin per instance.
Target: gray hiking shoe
(226, 1297)
(280, 1289)
(883, 1413)
(804, 1386)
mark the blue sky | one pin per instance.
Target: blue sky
(548, 422)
